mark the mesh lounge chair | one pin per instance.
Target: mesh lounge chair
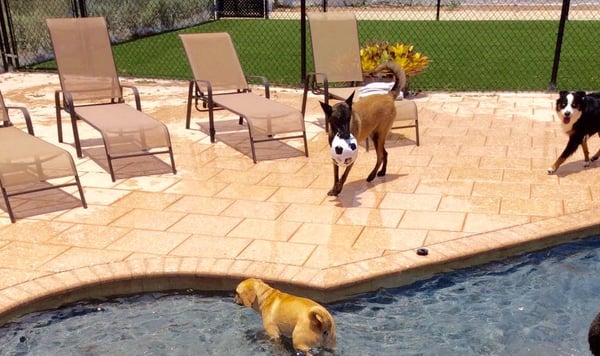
(28, 164)
(337, 67)
(219, 82)
(90, 91)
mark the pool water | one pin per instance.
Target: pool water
(536, 304)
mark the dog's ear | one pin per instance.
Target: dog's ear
(580, 94)
(326, 108)
(350, 99)
(246, 293)
(563, 93)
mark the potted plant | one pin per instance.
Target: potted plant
(376, 53)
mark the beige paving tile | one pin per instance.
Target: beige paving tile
(149, 219)
(403, 201)
(200, 205)
(327, 256)
(327, 234)
(299, 195)
(79, 257)
(532, 207)
(32, 231)
(371, 217)
(436, 220)
(312, 213)
(94, 214)
(212, 247)
(150, 200)
(437, 236)
(277, 252)
(149, 183)
(255, 209)
(103, 196)
(477, 222)
(148, 241)
(443, 187)
(92, 236)
(246, 191)
(28, 256)
(390, 239)
(286, 180)
(475, 204)
(197, 187)
(502, 189)
(476, 174)
(205, 224)
(278, 230)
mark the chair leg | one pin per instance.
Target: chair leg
(81, 196)
(11, 215)
(172, 160)
(58, 116)
(305, 143)
(76, 135)
(188, 114)
(305, 94)
(417, 131)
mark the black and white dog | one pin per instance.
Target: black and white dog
(580, 116)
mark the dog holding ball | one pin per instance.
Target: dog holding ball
(372, 116)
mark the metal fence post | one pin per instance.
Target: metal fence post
(302, 41)
(564, 15)
(9, 46)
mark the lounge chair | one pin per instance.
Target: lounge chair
(337, 65)
(219, 82)
(29, 164)
(91, 91)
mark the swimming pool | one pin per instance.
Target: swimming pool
(537, 304)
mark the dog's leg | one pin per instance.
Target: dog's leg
(586, 152)
(572, 145)
(379, 143)
(338, 183)
(597, 155)
(383, 164)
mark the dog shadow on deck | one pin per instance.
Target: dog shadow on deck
(352, 194)
(575, 167)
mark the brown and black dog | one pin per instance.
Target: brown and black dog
(372, 116)
(579, 113)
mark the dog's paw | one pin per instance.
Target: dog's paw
(371, 177)
(594, 158)
(551, 170)
(586, 164)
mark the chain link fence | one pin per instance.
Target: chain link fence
(472, 44)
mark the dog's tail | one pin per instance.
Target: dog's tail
(321, 318)
(399, 74)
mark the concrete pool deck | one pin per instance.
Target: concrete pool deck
(476, 189)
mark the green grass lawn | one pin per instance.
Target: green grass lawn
(465, 55)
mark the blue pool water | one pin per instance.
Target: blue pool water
(536, 304)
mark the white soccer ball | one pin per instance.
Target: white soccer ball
(344, 152)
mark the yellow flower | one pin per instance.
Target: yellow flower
(376, 53)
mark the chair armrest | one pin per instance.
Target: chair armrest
(26, 116)
(263, 81)
(136, 94)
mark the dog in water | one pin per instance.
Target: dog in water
(580, 118)
(307, 323)
(594, 336)
(372, 116)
